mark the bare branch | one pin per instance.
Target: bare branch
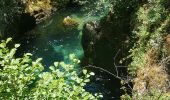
(90, 66)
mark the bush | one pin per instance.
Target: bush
(151, 26)
(23, 78)
(148, 57)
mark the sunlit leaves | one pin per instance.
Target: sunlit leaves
(84, 71)
(24, 79)
(92, 73)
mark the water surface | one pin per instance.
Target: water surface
(54, 42)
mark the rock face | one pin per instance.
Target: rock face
(20, 25)
(105, 44)
(90, 36)
(40, 9)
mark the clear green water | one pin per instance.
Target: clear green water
(55, 43)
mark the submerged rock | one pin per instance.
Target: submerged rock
(70, 23)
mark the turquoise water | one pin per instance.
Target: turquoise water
(54, 42)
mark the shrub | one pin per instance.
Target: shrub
(148, 57)
(151, 25)
(23, 78)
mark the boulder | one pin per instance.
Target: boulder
(70, 23)
(40, 9)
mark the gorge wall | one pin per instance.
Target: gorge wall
(106, 44)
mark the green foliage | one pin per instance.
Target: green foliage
(23, 78)
(9, 8)
(152, 21)
(121, 6)
(151, 26)
(155, 95)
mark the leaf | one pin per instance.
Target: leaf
(84, 71)
(12, 52)
(60, 74)
(56, 64)
(88, 76)
(92, 73)
(87, 80)
(72, 56)
(28, 54)
(17, 45)
(2, 45)
(38, 60)
(52, 68)
(8, 40)
(82, 84)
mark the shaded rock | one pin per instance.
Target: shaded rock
(89, 38)
(108, 43)
(20, 25)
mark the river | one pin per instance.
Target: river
(53, 42)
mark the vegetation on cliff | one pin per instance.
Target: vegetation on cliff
(150, 57)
